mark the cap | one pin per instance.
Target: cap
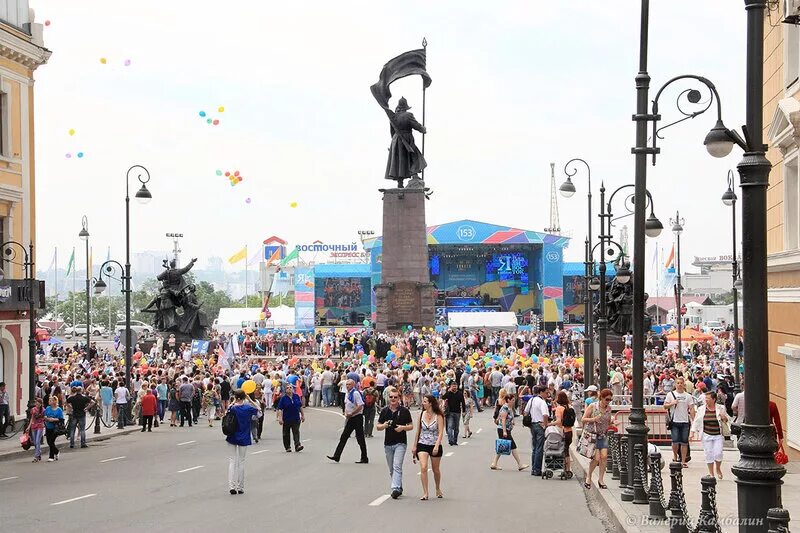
(591, 388)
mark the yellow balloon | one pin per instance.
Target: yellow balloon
(72, 132)
(293, 204)
(103, 60)
(221, 109)
(249, 386)
(122, 361)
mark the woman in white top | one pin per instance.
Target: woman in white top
(712, 422)
(428, 444)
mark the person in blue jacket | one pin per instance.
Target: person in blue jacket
(239, 441)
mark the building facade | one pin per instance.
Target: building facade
(22, 51)
(782, 125)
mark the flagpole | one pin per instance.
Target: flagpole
(73, 292)
(424, 48)
(55, 279)
(246, 260)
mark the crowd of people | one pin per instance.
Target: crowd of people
(447, 375)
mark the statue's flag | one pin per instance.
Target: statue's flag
(71, 263)
(238, 256)
(407, 64)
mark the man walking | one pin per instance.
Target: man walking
(77, 420)
(354, 413)
(453, 406)
(185, 395)
(4, 410)
(327, 388)
(396, 420)
(122, 395)
(540, 418)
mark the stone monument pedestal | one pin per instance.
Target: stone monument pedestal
(405, 295)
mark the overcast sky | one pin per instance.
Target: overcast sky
(516, 85)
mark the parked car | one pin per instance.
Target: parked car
(713, 326)
(79, 330)
(138, 328)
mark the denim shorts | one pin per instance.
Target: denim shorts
(680, 432)
(601, 443)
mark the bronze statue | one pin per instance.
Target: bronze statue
(177, 295)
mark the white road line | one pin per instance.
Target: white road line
(260, 451)
(9, 478)
(479, 430)
(74, 499)
(189, 469)
(326, 411)
(448, 454)
(377, 501)
(113, 459)
(306, 440)
(193, 441)
(465, 443)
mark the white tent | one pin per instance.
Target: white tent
(505, 321)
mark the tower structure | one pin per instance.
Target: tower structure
(555, 225)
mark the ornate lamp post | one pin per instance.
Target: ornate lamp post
(99, 287)
(677, 229)
(729, 199)
(10, 252)
(84, 236)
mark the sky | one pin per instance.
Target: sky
(517, 84)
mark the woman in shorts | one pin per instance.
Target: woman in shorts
(428, 443)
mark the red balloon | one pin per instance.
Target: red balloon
(216, 122)
(236, 173)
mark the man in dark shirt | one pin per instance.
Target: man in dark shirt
(454, 404)
(185, 395)
(396, 420)
(225, 393)
(78, 402)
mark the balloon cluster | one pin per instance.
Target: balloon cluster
(210, 120)
(68, 155)
(103, 60)
(234, 177)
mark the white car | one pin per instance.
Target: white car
(138, 329)
(79, 330)
(713, 326)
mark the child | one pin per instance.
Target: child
(469, 410)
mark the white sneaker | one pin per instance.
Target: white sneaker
(51, 460)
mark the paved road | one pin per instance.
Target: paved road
(176, 480)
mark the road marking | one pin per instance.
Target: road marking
(9, 478)
(74, 499)
(479, 430)
(113, 459)
(260, 451)
(306, 440)
(325, 411)
(448, 454)
(377, 501)
(465, 443)
(189, 469)
(193, 441)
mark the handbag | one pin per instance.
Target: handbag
(587, 443)
(725, 427)
(25, 441)
(669, 416)
(780, 456)
(502, 447)
(59, 428)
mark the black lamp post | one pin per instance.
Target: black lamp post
(729, 199)
(567, 190)
(143, 196)
(653, 228)
(84, 235)
(677, 229)
(758, 475)
(99, 287)
(10, 252)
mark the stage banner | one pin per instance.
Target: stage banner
(303, 298)
(552, 282)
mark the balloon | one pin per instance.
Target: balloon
(292, 379)
(215, 122)
(127, 62)
(202, 113)
(249, 386)
(68, 156)
(72, 132)
(198, 362)
(227, 174)
(468, 368)
(208, 121)
(423, 328)
(46, 22)
(219, 173)
(410, 327)
(103, 60)
(406, 366)
(247, 200)
(221, 109)
(329, 363)
(366, 323)
(372, 352)
(371, 358)
(394, 364)
(535, 359)
(293, 204)
(80, 155)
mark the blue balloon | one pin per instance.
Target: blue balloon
(292, 379)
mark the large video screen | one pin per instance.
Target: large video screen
(342, 301)
(510, 267)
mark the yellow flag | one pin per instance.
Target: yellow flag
(238, 256)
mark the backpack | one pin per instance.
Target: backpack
(542, 380)
(568, 418)
(369, 400)
(230, 424)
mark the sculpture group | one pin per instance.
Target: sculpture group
(176, 307)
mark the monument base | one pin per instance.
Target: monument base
(616, 343)
(403, 304)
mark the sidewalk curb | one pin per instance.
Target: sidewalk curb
(19, 452)
(614, 513)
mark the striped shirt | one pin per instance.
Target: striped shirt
(710, 423)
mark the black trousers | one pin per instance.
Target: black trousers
(295, 429)
(147, 422)
(50, 435)
(186, 413)
(354, 423)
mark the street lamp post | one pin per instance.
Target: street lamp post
(729, 199)
(30, 272)
(758, 475)
(567, 190)
(677, 229)
(84, 235)
(99, 287)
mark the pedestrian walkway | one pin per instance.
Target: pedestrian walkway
(633, 518)
(11, 449)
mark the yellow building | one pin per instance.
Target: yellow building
(21, 52)
(782, 129)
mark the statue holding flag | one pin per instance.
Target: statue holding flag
(406, 161)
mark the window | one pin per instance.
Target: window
(791, 205)
(5, 134)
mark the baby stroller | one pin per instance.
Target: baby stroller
(554, 453)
